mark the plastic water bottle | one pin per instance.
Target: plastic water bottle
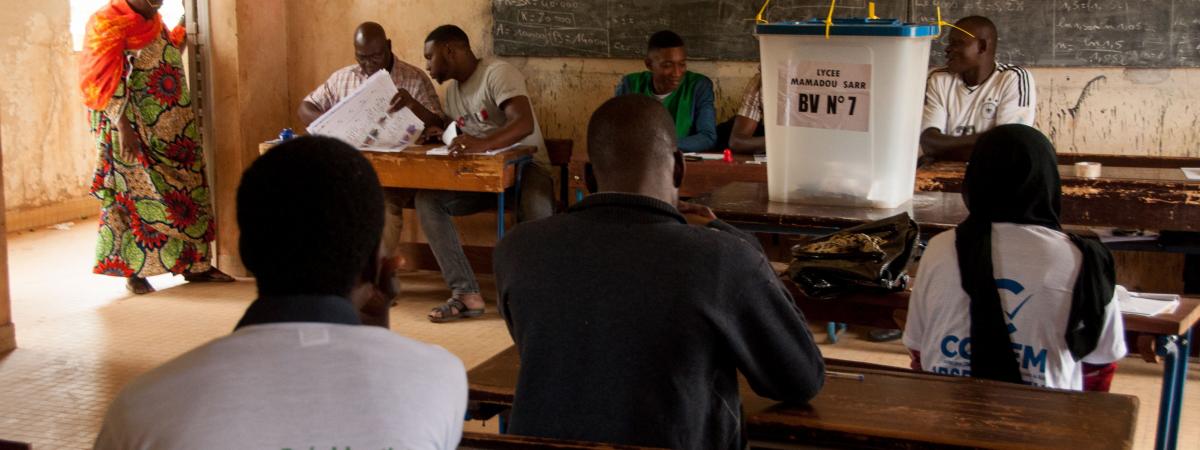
(286, 134)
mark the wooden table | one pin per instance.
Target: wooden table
(748, 205)
(901, 408)
(414, 168)
(1166, 335)
(1144, 196)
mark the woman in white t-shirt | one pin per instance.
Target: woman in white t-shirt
(1007, 295)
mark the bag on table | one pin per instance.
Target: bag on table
(871, 256)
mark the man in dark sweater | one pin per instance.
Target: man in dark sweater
(632, 323)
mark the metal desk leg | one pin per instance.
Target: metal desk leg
(833, 328)
(1174, 350)
(520, 169)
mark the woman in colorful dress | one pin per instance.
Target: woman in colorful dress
(155, 214)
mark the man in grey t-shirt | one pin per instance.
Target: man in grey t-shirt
(488, 100)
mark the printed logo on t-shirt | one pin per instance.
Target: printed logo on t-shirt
(955, 358)
(964, 130)
(989, 108)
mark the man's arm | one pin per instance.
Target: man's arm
(705, 121)
(309, 112)
(622, 86)
(519, 112)
(404, 99)
(941, 146)
(742, 139)
(767, 333)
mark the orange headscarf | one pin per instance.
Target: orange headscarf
(111, 31)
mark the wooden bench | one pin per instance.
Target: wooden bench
(897, 408)
(483, 441)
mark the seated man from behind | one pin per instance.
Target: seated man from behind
(973, 94)
(373, 50)
(632, 328)
(1007, 295)
(301, 370)
(688, 96)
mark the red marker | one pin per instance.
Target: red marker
(728, 156)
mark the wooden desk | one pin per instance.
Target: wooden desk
(414, 168)
(1165, 335)
(901, 408)
(749, 204)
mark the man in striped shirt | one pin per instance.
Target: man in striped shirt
(373, 50)
(973, 93)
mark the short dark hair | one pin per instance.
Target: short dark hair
(311, 214)
(448, 33)
(664, 39)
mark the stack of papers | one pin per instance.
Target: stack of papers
(362, 119)
(445, 151)
(1146, 304)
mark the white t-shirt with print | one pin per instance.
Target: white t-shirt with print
(475, 104)
(1007, 96)
(295, 385)
(1035, 270)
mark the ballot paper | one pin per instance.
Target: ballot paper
(445, 151)
(362, 119)
(1145, 304)
(1192, 173)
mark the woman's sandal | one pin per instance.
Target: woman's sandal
(209, 276)
(138, 285)
(452, 310)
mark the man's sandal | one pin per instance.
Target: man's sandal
(452, 310)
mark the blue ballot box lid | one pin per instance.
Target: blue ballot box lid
(849, 27)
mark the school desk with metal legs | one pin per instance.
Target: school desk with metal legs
(414, 168)
(747, 206)
(1166, 335)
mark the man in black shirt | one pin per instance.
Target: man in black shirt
(632, 323)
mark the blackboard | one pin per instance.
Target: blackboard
(1038, 33)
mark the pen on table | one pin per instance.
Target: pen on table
(844, 375)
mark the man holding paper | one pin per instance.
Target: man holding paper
(373, 50)
(488, 102)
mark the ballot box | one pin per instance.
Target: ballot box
(842, 107)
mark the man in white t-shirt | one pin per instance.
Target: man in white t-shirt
(301, 370)
(490, 104)
(973, 93)
(1035, 272)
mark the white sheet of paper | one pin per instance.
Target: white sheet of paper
(708, 156)
(1192, 173)
(361, 119)
(450, 134)
(1145, 304)
(445, 151)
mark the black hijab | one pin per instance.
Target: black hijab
(1013, 177)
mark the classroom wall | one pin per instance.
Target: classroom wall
(1084, 110)
(48, 153)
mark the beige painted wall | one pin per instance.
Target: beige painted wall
(1134, 111)
(48, 154)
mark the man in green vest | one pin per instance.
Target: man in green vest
(688, 96)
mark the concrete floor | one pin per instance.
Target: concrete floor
(81, 337)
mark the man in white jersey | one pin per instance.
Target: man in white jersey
(973, 93)
(301, 370)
